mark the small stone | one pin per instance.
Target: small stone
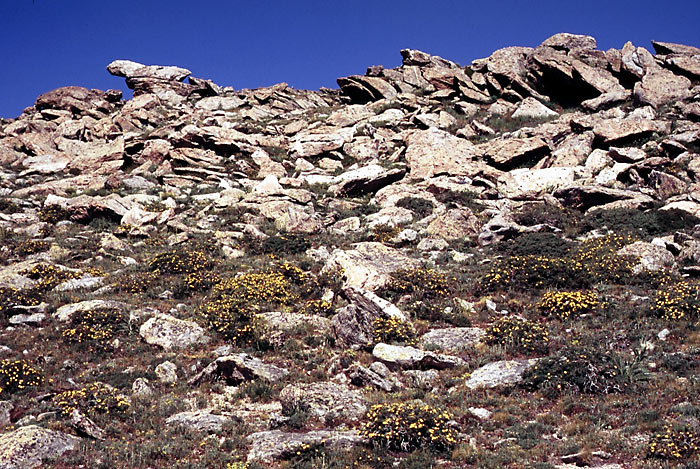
(502, 373)
(140, 388)
(480, 413)
(167, 372)
(200, 421)
(172, 333)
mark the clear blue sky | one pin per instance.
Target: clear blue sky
(46, 44)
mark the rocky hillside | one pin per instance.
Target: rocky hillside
(432, 266)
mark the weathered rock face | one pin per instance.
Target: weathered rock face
(200, 421)
(171, 333)
(354, 324)
(273, 445)
(25, 447)
(411, 357)
(326, 401)
(454, 339)
(368, 265)
(419, 171)
(235, 369)
(503, 373)
(434, 152)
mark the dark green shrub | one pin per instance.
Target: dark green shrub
(458, 199)
(637, 223)
(280, 245)
(592, 261)
(8, 206)
(682, 364)
(544, 214)
(421, 283)
(577, 369)
(52, 214)
(537, 244)
(421, 207)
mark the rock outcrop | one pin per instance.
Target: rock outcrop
(265, 265)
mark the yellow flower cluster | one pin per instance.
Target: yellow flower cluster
(674, 442)
(271, 287)
(201, 280)
(598, 258)
(429, 283)
(518, 333)
(10, 297)
(31, 246)
(594, 260)
(138, 282)
(16, 375)
(316, 307)
(406, 426)
(293, 273)
(234, 319)
(384, 233)
(237, 465)
(53, 214)
(534, 271)
(391, 330)
(564, 304)
(677, 301)
(94, 328)
(49, 276)
(179, 262)
(92, 399)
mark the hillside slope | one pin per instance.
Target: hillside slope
(431, 266)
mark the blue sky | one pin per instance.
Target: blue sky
(46, 44)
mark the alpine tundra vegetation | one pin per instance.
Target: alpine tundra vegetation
(432, 266)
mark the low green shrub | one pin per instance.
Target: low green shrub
(95, 398)
(567, 304)
(52, 214)
(235, 319)
(420, 283)
(421, 207)
(179, 262)
(407, 426)
(592, 261)
(676, 301)
(30, 246)
(392, 330)
(576, 369)
(316, 307)
(18, 375)
(540, 244)
(676, 441)
(637, 223)
(95, 329)
(518, 334)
